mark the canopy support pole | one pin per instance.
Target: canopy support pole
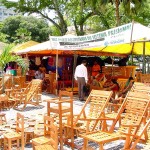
(74, 65)
(132, 54)
(57, 72)
(144, 63)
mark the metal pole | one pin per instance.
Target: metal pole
(144, 63)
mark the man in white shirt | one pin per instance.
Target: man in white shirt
(82, 78)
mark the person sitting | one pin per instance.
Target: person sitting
(124, 92)
(127, 87)
(94, 81)
(114, 86)
(39, 74)
(95, 69)
(42, 68)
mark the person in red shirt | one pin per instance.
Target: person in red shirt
(114, 86)
(95, 69)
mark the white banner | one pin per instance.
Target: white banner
(118, 35)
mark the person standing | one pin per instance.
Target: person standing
(95, 69)
(81, 77)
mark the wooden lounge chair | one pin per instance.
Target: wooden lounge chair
(12, 136)
(117, 116)
(87, 121)
(26, 97)
(138, 137)
(50, 137)
(135, 111)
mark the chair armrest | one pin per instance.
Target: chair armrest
(129, 125)
(100, 119)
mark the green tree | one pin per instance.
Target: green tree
(19, 28)
(6, 57)
(22, 35)
(129, 6)
(2, 35)
(42, 8)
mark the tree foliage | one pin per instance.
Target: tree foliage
(21, 29)
(97, 15)
(6, 57)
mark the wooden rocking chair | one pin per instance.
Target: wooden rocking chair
(135, 112)
(12, 136)
(26, 97)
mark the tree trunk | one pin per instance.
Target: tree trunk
(117, 13)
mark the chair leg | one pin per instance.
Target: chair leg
(85, 144)
(22, 144)
(101, 147)
(18, 144)
(5, 141)
(9, 144)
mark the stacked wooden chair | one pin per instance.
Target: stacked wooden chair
(50, 139)
(59, 111)
(27, 95)
(135, 111)
(15, 136)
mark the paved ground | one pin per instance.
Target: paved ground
(33, 111)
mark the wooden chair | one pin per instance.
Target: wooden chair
(145, 77)
(5, 83)
(61, 110)
(50, 136)
(3, 118)
(26, 97)
(117, 116)
(17, 135)
(121, 82)
(141, 87)
(87, 121)
(135, 111)
(98, 100)
(138, 137)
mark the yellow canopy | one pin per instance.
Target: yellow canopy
(135, 48)
(23, 46)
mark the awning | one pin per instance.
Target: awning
(22, 46)
(113, 42)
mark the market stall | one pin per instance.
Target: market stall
(119, 41)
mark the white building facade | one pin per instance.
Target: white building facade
(5, 13)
